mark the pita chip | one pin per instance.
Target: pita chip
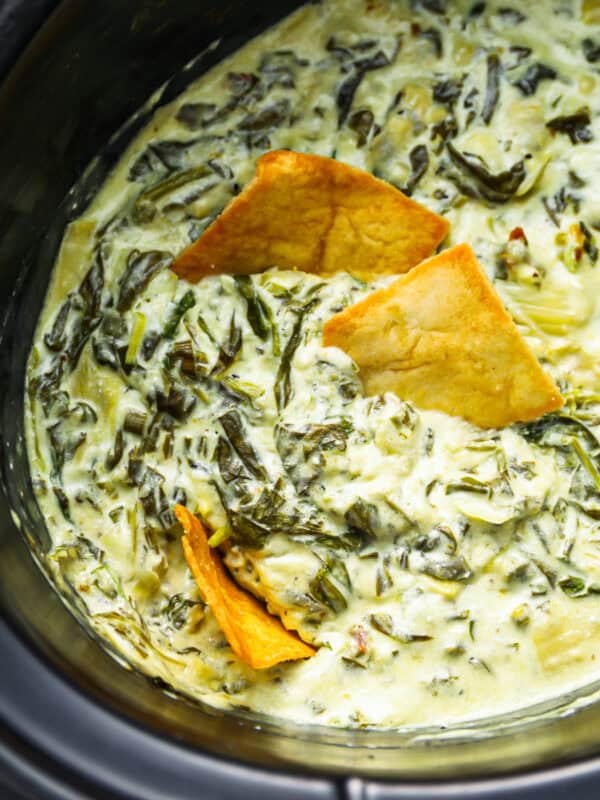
(317, 215)
(441, 338)
(256, 637)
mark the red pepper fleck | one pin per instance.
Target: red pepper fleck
(578, 253)
(360, 635)
(517, 233)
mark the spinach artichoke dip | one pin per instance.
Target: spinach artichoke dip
(423, 569)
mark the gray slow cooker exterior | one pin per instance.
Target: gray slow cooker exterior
(73, 723)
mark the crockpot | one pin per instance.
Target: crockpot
(74, 721)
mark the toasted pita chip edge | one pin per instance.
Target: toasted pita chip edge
(256, 637)
(226, 245)
(341, 328)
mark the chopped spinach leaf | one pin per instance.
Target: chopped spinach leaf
(492, 90)
(185, 303)
(451, 569)
(496, 188)
(267, 118)
(419, 162)
(348, 87)
(363, 122)
(575, 126)
(573, 586)
(532, 78)
(56, 338)
(258, 314)
(385, 624)
(435, 37)
(230, 348)
(141, 267)
(363, 519)
(591, 50)
(447, 92)
(511, 15)
(238, 438)
(283, 382)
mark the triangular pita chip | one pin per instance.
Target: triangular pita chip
(317, 215)
(256, 637)
(441, 338)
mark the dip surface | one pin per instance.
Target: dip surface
(445, 572)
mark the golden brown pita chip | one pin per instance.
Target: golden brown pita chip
(440, 337)
(256, 637)
(318, 215)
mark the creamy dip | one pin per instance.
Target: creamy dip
(445, 572)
